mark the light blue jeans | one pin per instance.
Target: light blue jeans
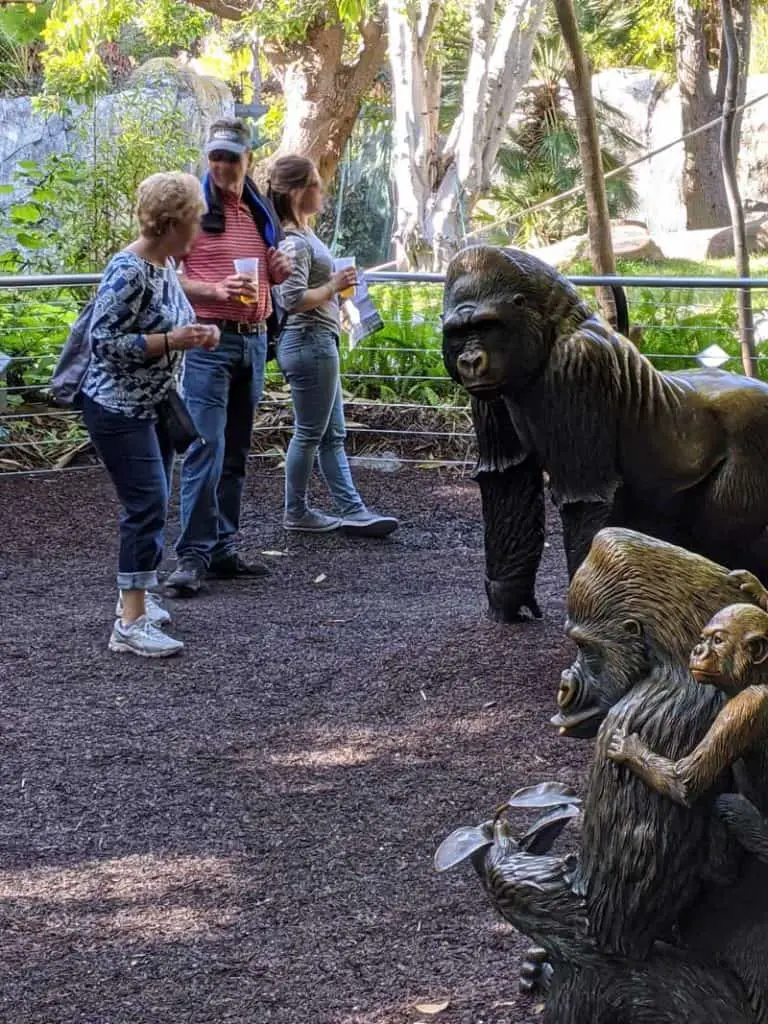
(309, 360)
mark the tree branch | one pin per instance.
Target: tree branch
(372, 55)
(508, 71)
(231, 10)
(427, 23)
(461, 138)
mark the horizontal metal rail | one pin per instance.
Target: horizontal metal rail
(368, 375)
(420, 277)
(354, 459)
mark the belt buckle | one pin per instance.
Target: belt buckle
(244, 327)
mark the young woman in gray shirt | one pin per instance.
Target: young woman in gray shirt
(308, 356)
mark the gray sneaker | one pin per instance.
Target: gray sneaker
(311, 522)
(144, 639)
(156, 614)
(368, 524)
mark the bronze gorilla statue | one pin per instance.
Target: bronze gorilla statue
(680, 455)
(661, 917)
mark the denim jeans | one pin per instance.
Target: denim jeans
(221, 389)
(139, 459)
(309, 360)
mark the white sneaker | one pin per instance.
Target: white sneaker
(144, 639)
(154, 611)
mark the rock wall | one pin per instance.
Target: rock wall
(27, 134)
(651, 105)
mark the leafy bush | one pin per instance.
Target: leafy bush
(71, 214)
(673, 325)
(403, 361)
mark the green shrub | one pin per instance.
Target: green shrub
(676, 324)
(71, 214)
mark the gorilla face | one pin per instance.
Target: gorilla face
(608, 664)
(491, 348)
(496, 337)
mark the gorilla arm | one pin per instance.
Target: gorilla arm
(512, 493)
(739, 727)
(580, 405)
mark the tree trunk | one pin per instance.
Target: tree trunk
(703, 190)
(323, 90)
(323, 93)
(415, 166)
(579, 78)
(256, 82)
(437, 185)
(734, 71)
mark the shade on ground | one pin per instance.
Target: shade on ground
(245, 833)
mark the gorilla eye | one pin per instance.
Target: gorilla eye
(717, 639)
(518, 299)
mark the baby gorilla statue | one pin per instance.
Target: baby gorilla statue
(732, 654)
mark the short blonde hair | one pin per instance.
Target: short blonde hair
(166, 199)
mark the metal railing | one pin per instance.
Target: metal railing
(399, 400)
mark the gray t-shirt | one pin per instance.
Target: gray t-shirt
(312, 267)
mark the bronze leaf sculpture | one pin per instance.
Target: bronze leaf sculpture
(680, 455)
(662, 916)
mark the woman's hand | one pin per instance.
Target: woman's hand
(343, 279)
(206, 336)
(279, 266)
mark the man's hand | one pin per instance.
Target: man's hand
(235, 286)
(279, 266)
(213, 339)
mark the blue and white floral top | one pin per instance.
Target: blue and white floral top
(135, 298)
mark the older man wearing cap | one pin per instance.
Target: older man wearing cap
(223, 388)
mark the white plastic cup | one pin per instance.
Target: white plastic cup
(249, 266)
(342, 263)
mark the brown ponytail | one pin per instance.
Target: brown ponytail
(286, 174)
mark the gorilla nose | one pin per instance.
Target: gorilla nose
(473, 363)
(697, 654)
(568, 691)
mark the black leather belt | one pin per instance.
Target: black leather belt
(236, 326)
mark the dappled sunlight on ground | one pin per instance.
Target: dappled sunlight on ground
(136, 897)
(331, 748)
(245, 834)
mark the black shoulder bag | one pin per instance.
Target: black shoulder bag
(174, 417)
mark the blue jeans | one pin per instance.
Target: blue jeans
(139, 459)
(221, 389)
(309, 360)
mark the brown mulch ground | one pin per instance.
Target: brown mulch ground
(245, 833)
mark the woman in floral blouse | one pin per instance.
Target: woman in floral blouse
(141, 320)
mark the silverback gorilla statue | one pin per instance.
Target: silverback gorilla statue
(680, 455)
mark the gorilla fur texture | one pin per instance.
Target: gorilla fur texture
(662, 916)
(679, 455)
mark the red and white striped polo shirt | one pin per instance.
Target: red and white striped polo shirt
(212, 256)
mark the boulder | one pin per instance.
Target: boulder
(630, 240)
(203, 99)
(29, 134)
(711, 243)
(650, 103)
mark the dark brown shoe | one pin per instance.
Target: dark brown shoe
(236, 568)
(186, 579)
